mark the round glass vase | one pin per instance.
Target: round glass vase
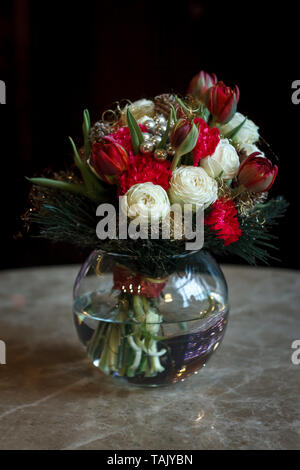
(150, 330)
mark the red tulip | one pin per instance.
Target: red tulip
(222, 101)
(108, 159)
(257, 173)
(200, 83)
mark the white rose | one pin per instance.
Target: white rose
(192, 185)
(248, 133)
(147, 201)
(225, 160)
(246, 149)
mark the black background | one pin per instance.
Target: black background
(58, 58)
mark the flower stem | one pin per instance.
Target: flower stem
(239, 190)
(175, 161)
(129, 349)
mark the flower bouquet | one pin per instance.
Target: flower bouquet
(158, 187)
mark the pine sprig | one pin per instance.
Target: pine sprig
(256, 240)
(71, 218)
(67, 217)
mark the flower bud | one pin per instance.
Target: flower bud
(108, 160)
(183, 139)
(222, 101)
(200, 83)
(257, 173)
(180, 132)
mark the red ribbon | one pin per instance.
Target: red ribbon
(132, 283)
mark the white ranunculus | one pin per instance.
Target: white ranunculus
(247, 149)
(192, 185)
(224, 161)
(147, 201)
(248, 134)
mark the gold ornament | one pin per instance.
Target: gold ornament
(138, 109)
(160, 154)
(224, 190)
(247, 201)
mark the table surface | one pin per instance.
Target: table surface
(247, 397)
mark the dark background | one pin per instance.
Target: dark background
(58, 58)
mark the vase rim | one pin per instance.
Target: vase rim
(184, 254)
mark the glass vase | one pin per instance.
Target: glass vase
(150, 326)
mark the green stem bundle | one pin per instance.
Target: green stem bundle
(129, 346)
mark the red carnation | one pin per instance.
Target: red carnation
(122, 137)
(223, 219)
(143, 169)
(207, 141)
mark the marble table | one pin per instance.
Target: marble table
(247, 397)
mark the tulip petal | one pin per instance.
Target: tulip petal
(273, 179)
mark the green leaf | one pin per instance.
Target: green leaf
(93, 187)
(87, 117)
(203, 112)
(218, 177)
(78, 162)
(174, 115)
(86, 128)
(63, 185)
(182, 105)
(166, 134)
(234, 131)
(135, 132)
